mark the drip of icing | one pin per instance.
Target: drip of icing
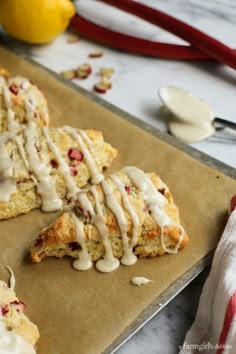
(85, 203)
(175, 249)
(151, 196)
(12, 124)
(138, 281)
(12, 280)
(12, 343)
(22, 151)
(30, 108)
(84, 261)
(128, 207)
(25, 84)
(6, 96)
(155, 201)
(7, 182)
(128, 257)
(88, 141)
(96, 176)
(23, 156)
(144, 184)
(109, 262)
(46, 184)
(62, 166)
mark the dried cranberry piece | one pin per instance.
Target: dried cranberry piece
(161, 190)
(100, 88)
(3, 310)
(14, 89)
(73, 172)
(128, 189)
(38, 241)
(70, 200)
(19, 305)
(80, 210)
(75, 154)
(74, 246)
(54, 163)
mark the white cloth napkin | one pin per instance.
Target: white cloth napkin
(214, 329)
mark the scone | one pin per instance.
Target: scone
(13, 319)
(21, 102)
(39, 167)
(130, 214)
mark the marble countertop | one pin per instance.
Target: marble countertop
(135, 86)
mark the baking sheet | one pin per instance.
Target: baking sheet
(89, 312)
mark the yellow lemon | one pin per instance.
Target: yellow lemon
(37, 21)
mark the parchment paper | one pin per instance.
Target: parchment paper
(84, 312)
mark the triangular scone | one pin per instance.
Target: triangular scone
(41, 166)
(21, 102)
(127, 215)
(13, 318)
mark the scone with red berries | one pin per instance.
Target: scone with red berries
(13, 318)
(39, 167)
(20, 102)
(128, 215)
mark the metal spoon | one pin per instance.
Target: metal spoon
(192, 119)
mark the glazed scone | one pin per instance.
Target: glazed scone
(12, 315)
(39, 167)
(129, 214)
(21, 102)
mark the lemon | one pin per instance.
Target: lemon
(37, 21)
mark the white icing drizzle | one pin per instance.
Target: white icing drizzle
(144, 184)
(109, 262)
(96, 176)
(12, 280)
(30, 105)
(128, 207)
(25, 84)
(84, 261)
(175, 249)
(6, 95)
(85, 203)
(62, 166)
(88, 141)
(128, 257)
(155, 201)
(30, 108)
(7, 182)
(12, 124)
(46, 185)
(12, 343)
(138, 281)
(22, 151)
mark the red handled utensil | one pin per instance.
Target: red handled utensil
(202, 46)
